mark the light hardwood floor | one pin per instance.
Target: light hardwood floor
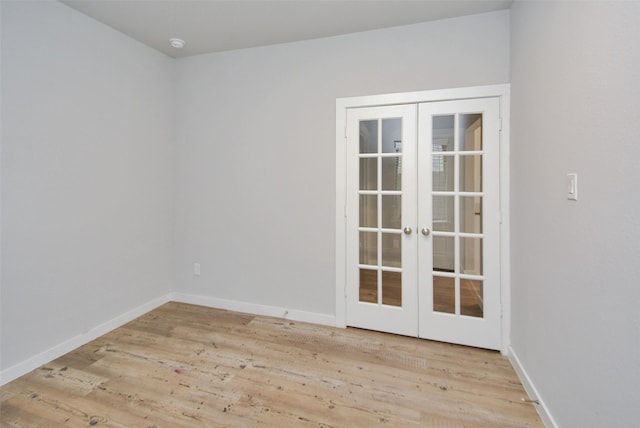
(186, 366)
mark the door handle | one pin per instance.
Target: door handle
(407, 231)
(426, 231)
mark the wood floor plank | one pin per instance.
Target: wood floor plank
(184, 365)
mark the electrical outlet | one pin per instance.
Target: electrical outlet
(196, 269)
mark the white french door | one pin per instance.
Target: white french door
(458, 201)
(423, 244)
(382, 279)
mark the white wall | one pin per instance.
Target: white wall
(255, 197)
(575, 74)
(87, 175)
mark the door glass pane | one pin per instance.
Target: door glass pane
(443, 133)
(368, 211)
(470, 214)
(368, 136)
(391, 249)
(443, 214)
(368, 286)
(443, 253)
(470, 136)
(369, 248)
(444, 294)
(471, 299)
(392, 288)
(391, 211)
(471, 256)
(392, 173)
(368, 174)
(471, 173)
(392, 135)
(442, 173)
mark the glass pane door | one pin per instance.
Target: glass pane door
(422, 211)
(458, 206)
(382, 283)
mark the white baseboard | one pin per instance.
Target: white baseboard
(256, 309)
(69, 345)
(24, 367)
(541, 408)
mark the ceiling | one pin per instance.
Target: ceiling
(215, 25)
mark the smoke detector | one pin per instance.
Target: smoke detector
(177, 43)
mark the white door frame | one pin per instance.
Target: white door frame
(502, 92)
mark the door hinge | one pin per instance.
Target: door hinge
(500, 125)
(500, 217)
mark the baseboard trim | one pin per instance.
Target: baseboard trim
(256, 309)
(32, 363)
(541, 408)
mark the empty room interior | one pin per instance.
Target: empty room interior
(320, 213)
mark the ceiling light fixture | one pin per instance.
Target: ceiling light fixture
(177, 43)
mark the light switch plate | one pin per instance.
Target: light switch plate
(196, 269)
(572, 186)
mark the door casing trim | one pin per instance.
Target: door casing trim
(502, 92)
